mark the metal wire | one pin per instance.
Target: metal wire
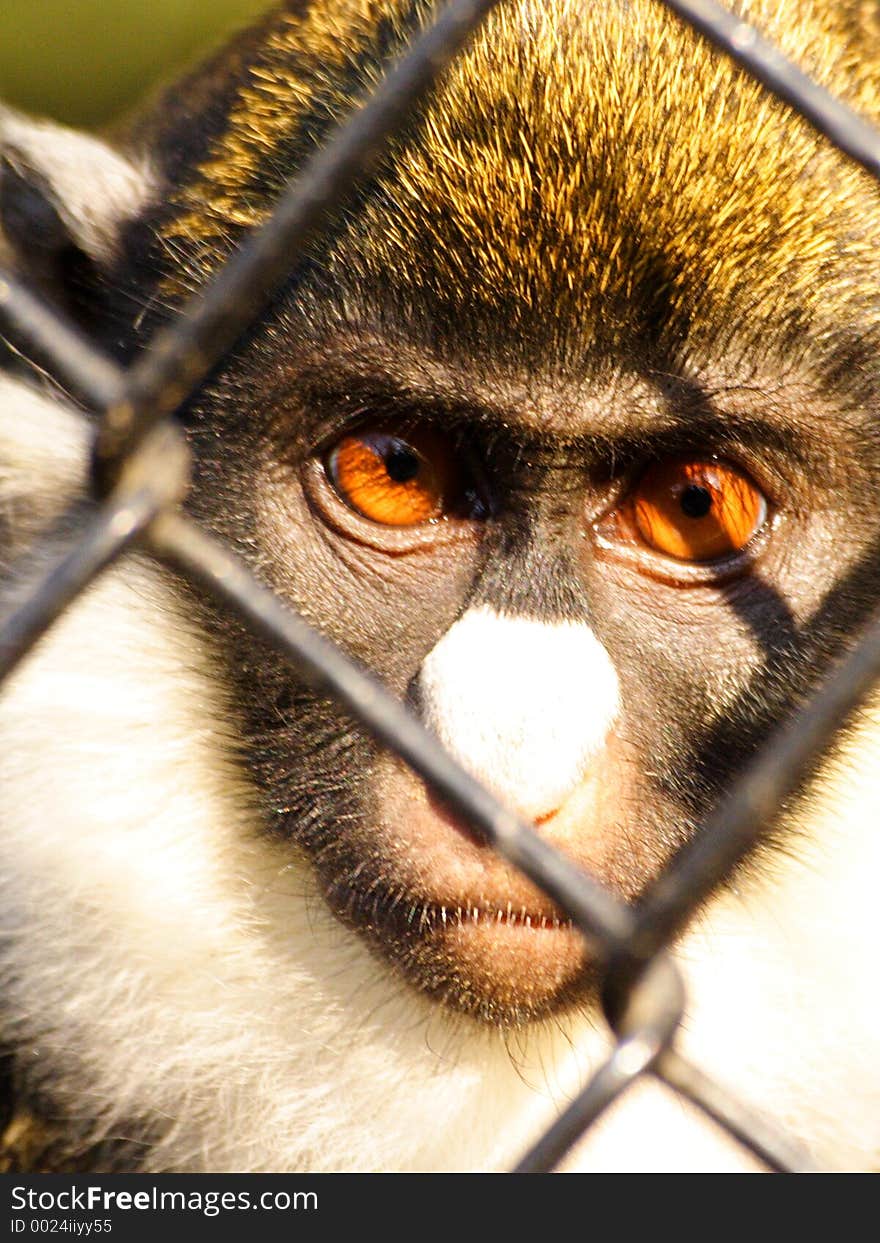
(775, 773)
(767, 1143)
(179, 357)
(828, 115)
(45, 336)
(68, 558)
(142, 472)
(645, 1026)
(179, 542)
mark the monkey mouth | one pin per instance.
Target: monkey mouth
(501, 963)
(511, 918)
(452, 916)
(413, 915)
(489, 915)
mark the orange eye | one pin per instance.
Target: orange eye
(398, 479)
(696, 510)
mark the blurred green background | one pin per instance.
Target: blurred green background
(86, 61)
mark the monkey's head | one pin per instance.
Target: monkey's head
(566, 428)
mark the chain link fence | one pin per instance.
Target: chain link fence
(141, 474)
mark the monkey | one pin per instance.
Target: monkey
(565, 427)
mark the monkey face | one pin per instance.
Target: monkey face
(568, 434)
(599, 599)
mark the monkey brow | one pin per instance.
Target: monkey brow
(653, 416)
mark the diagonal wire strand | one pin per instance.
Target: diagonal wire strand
(180, 543)
(768, 1143)
(180, 356)
(830, 116)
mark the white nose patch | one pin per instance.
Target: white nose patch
(524, 705)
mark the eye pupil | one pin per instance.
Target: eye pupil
(695, 501)
(401, 463)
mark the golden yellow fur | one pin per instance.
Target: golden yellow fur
(579, 158)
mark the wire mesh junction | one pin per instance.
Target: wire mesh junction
(141, 474)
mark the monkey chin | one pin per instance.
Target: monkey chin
(514, 969)
(505, 968)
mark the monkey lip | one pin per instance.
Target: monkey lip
(489, 915)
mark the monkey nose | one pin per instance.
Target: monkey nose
(524, 704)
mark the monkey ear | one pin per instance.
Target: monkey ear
(64, 200)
